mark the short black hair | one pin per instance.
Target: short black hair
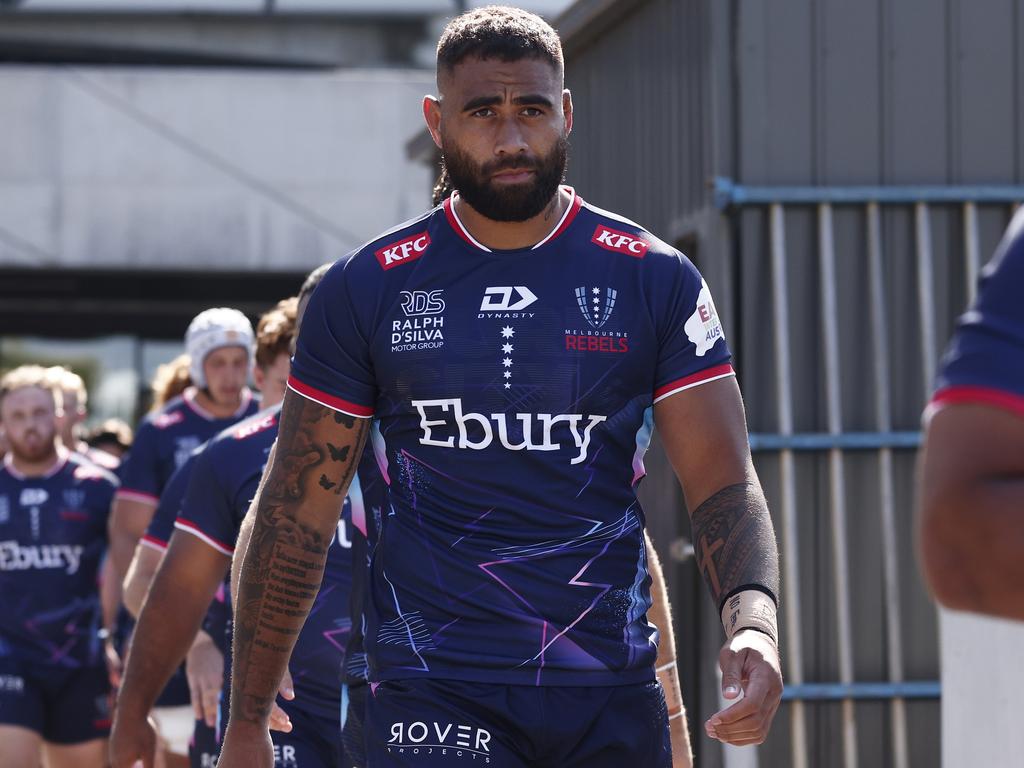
(498, 32)
(312, 281)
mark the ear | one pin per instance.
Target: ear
(432, 115)
(567, 110)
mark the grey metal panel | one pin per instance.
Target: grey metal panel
(847, 89)
(641, 142)
(776, 94)
(986, 89)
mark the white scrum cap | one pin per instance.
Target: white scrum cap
(213, 329)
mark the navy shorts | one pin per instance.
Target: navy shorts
(421, 723)
(64, 706)
(313, 742)
(353, 716)
(205, 744)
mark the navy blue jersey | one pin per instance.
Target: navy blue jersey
(368, 508)
(984, 362)
(223, 483)
(53, 533)
(158, 534)
(513, 396)
(165, 439)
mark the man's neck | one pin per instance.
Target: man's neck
(40, 468)
(511, 235)
(219, 410)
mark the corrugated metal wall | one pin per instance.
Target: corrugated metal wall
(820, 92)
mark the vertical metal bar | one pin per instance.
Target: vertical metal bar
(886, 493)
(926, 299)
(837, 475)
(790, 539)
(972, 250)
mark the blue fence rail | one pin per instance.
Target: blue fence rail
(727, 193)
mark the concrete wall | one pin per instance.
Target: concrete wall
(203, 169)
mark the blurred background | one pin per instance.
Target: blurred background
(839, 171)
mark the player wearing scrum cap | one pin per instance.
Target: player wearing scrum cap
(54, 503)
(219, 342)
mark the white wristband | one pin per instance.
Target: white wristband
(750, 609)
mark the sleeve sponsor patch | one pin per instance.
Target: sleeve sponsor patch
(703, 327)
(409, 249)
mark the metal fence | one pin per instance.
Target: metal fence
(855, 362)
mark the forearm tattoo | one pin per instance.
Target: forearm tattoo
(735, 542)
(284, 563)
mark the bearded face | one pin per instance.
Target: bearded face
(29, 420)
(487, 186)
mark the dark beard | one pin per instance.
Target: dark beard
(517, 202)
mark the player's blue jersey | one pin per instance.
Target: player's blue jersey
(53, 533)
(984, 362)
(158, 534)
(165, 439)
(512, 394)
(224, 481)
(366, 522)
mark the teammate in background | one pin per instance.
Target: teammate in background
(205, 661)
(111, 436)
(170, 381)
(971, 479)
(76, 400)
(54, 692)
(223, 480)
(219, 344)
(511, 351)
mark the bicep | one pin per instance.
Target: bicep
(314, 460)
(140, 574)
(130, 518)
(968, 447)
(192, 566)
(704, 432)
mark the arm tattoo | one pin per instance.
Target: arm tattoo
(735, 542)
(296, 518)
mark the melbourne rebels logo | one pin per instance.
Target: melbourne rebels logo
(596, 312)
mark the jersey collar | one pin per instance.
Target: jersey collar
(575, 203)
(62, 459)
(189, 397)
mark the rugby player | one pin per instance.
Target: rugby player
(971, 483)
(510, 351)
(224, 479)
(205, 661)
(75, 411)
(54, 504)
(219, 344)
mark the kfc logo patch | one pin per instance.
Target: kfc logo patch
(620, 242)
(403, 251)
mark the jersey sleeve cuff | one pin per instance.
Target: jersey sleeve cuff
(973, 395)
(329, 401)
(142, 497)
(189, 527)
(153, 543)
(693, 380)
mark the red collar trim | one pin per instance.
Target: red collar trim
(563, 224)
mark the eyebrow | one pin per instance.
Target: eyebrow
(490, 101)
